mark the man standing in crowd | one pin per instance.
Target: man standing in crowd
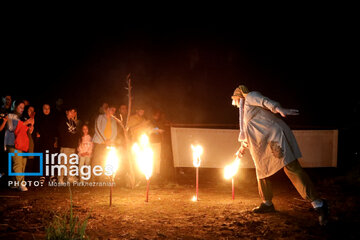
(156, 140)
(45, 133)
(105, 135)
(123, 112)
(67, 140)
(4, 111)
(138, 124)
(6, 104)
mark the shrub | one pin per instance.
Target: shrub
(67, 226)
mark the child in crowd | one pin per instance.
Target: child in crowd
(85, 148)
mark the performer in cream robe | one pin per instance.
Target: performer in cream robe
(272, 146)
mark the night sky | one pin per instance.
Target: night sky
(188, 69)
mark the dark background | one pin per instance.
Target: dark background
(188, 67)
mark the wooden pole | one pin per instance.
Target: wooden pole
(111, 189)
(147, 190)
(197, 184)
(233, 189)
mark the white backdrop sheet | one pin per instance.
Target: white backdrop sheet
(318, 147)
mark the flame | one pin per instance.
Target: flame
(193, 199)
(144, 156)
(112, 160)
(231, 170)
(197, 151)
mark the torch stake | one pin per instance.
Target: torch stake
(197, 184)
(147, 190)
(233, 189)
(111, 189)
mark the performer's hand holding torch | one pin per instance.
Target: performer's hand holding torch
(241, 150)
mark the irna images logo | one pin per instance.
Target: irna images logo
(60, 165)
(15, 154)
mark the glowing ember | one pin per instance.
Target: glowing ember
(112, 160)
(231, 170)
(197, 151)
(144, 156)
(194, 199)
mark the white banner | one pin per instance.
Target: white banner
(318, 147)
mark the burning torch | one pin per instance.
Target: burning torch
(197, 151)
(145, 159)
(230, 171)
(112, 162)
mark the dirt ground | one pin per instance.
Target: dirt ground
(170, 213)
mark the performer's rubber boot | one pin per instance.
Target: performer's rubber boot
(263, 208)
(323, 213)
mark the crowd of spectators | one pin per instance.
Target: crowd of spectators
(50, 129)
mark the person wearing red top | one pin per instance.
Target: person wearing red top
(16, 139)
